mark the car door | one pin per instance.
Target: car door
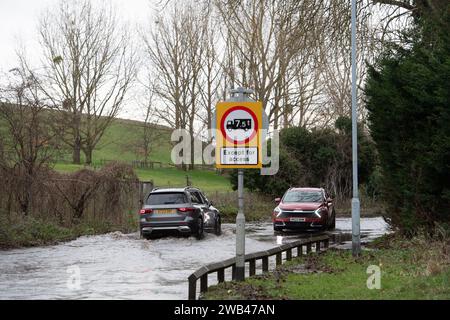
(209, 211)
(197, 201)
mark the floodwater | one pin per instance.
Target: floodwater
(122, 266)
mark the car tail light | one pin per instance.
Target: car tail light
(186, 209)
(146, 211)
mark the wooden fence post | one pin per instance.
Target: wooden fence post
(279, 258)
(192, 288)
(252, 268)
(265, 264)
(204, 283)
(221, 275)
(289, 255)
(299, 251)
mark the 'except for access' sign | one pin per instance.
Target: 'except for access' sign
(239, 156)
(238, 140)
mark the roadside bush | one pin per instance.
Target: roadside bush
(318, 157)
(63, 206)
(408, 100)
(18, 231)
(257, 207)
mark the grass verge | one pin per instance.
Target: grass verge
(410, 269)
(208, 181)
(20, 232)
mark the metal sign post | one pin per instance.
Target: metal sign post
(356, 245)
(240, 230)
(240, 94)
(239, 121)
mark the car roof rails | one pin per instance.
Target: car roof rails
(191, 188)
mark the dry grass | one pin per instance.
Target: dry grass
(257, 207)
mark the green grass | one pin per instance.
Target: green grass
(408, 271)
(171, 177)
(121, 142)
(17, 231)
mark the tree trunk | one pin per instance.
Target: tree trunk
(76, 151)
(192, 165)
(88, 155)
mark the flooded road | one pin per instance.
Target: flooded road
(118, 266)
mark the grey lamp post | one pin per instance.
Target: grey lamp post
(356, 245)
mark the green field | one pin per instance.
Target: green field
(171, 177)
(121, 143)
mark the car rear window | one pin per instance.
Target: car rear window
(303, 196)
(156, 199)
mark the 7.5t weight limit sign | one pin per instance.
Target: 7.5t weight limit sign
(238, 143)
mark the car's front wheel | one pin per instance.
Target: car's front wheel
(218, 227)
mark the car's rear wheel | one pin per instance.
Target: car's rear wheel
(218, 227)
(200, 230)
(147, 237)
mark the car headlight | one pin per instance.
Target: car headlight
(317, 212)
(277, 211)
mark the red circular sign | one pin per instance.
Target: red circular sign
(239, 110)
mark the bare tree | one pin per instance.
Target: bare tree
(211, 75)
(149, 133)
(29, 143)
(175, 50)
(269, 41)
(89, 65)
(417, 7)
(295, 54)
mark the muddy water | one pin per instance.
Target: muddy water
(118, 266)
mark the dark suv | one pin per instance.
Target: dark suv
(185, 210)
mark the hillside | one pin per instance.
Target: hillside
(121, 142)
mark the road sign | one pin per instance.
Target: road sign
(238, 140)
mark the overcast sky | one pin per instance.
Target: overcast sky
(18, 19)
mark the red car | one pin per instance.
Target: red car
(304, 208)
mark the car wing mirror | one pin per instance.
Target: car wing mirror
(277, 200)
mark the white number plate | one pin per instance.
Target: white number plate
(297, 219)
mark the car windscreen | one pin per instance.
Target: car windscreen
(302, 196)
(157, 199)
